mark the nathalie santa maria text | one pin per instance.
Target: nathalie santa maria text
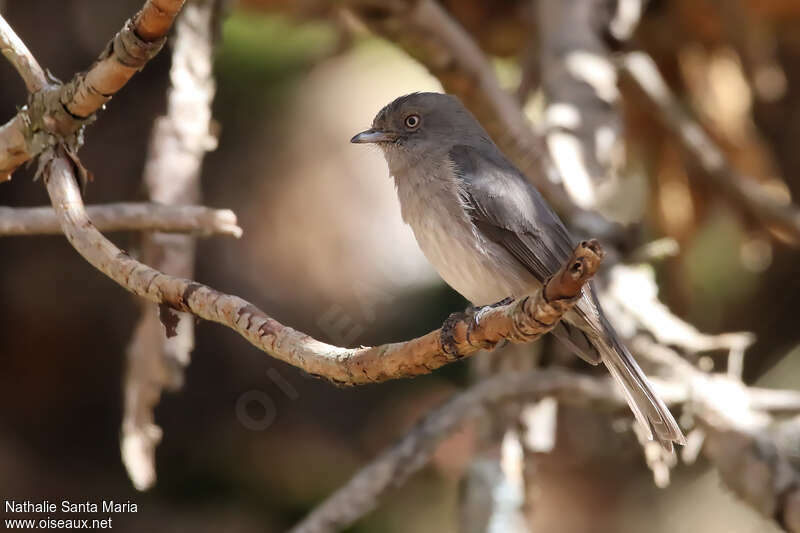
(66, 506)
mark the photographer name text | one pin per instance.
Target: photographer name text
(67, 506)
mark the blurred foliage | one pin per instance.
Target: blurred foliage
(260, 56)
(716, 278)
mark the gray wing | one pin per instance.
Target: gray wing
(509, 211)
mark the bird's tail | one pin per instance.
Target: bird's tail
(647, 407)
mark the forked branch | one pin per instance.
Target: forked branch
(61, 111)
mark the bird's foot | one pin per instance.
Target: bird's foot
(449, 343)
(473, 315)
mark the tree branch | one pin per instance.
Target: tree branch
(393, 467)
(178, 143)
(775, 492)
(521, 321)
(579, 80)
(62, 110)
(126, 216)
(740, 189)
(18, 54)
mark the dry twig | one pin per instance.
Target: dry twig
(125, 216)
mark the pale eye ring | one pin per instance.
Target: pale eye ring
(412, 122)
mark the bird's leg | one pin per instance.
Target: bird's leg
(449, 344)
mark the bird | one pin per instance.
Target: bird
(491, 235)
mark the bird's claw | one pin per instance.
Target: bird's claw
(473, 314)
(449, 344)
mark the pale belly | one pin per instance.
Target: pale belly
(482, 272)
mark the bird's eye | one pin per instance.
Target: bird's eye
(412, 121)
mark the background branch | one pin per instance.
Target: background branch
(393, 467)
(178, 143)
(125, 216)
(732, 443)
(579, 82)
(744, 191)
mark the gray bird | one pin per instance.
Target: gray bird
(491, 235)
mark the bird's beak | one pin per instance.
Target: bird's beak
(373, 135)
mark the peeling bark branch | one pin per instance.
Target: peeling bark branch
(178, 143)
(62, 110)
(740, 189)
(193, 219)
(130, 49)
(524, 320)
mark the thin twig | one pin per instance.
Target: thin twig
(521, 321)
(18, 54)
(62, 110)
(195, 219)
(741, 189)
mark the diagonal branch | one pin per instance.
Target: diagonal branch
(393, 467)
(18, 54)
(774, 491)
(65, 109)
(125, 216)
(740, 189)
(521, 321)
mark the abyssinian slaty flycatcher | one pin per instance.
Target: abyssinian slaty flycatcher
(491, 235)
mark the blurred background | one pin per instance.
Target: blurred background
(325, 251)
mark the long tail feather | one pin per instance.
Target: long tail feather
(647, 407)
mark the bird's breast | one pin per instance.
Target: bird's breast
(481, 271)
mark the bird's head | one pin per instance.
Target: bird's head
(423, 124)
